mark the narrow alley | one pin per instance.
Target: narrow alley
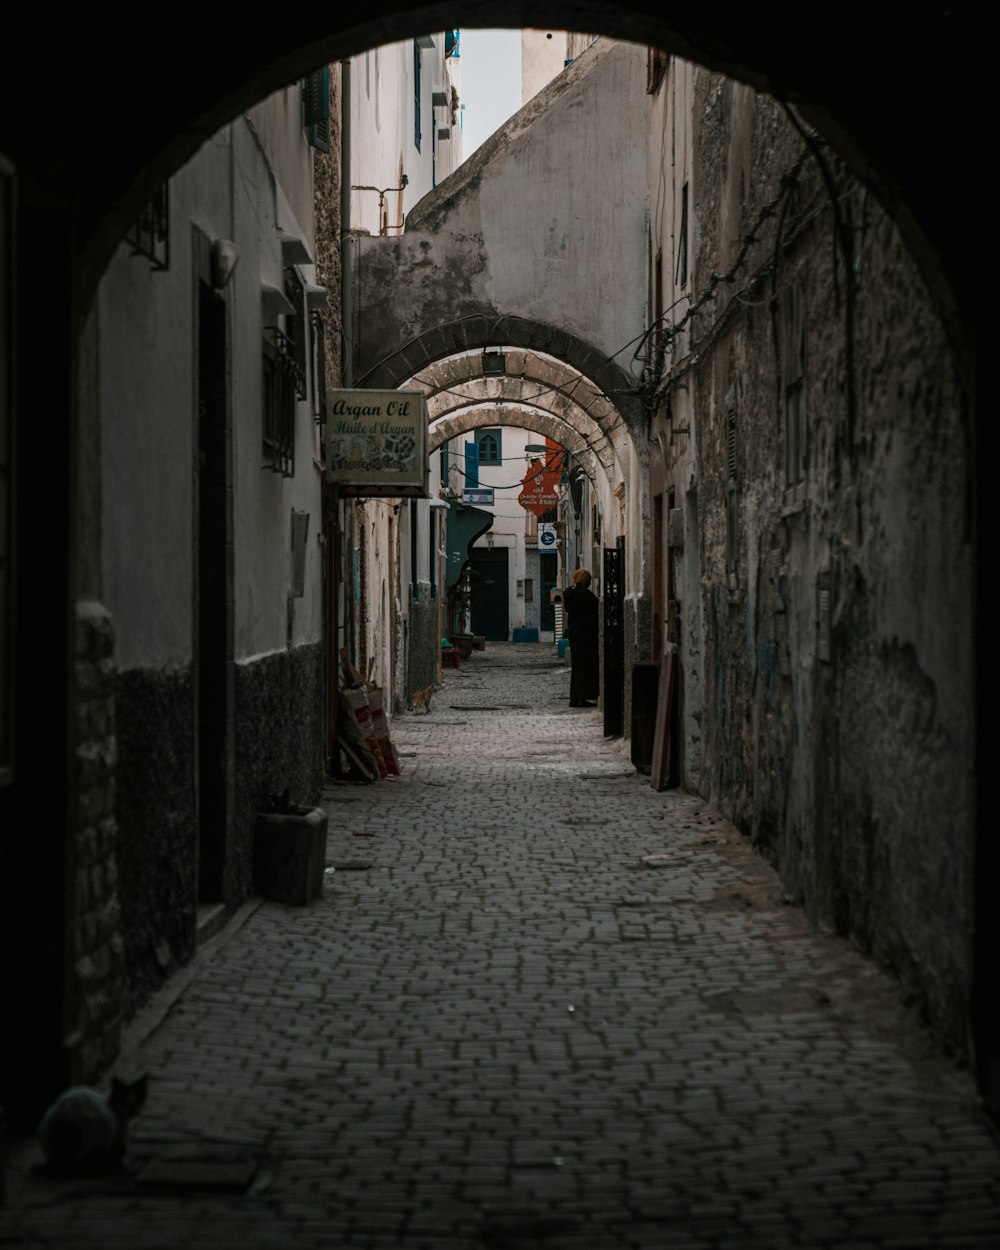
(539, 1004)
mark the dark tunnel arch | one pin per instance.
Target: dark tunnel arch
(863, 85)
(90, 149)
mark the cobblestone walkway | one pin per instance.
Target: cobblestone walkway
(500, 1028)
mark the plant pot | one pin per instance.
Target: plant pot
(462, 643)
(290, 854)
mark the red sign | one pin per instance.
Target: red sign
(540, 484)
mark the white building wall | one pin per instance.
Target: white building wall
(384, 153)
(263, 499)
(230, 190)
(545, 54)
(383, 129)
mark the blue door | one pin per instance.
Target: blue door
(490, 602)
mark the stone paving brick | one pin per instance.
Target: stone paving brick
(508, 984)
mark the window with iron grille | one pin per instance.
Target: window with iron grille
(149, 235)
(295, 327)
(317, 330)
(316, 108)
(280, 395)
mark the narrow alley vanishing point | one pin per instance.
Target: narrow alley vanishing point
(539, 1004)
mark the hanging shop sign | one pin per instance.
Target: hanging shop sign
(540, 484)
(478, 496)
(376, 443)
(548, 539)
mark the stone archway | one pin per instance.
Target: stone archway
(563, 399)
(603, 379)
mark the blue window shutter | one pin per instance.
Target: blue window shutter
(471, 465)
(316, 108)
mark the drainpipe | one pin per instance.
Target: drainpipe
(346, 309)
(338, 603)
(346, 275)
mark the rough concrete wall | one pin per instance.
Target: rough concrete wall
(97, 952)
(157, 823)
(279, 745)
(326, 174)
(841, 743)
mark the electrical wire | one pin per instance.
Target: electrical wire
(549, 468)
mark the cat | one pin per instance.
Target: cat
(422, 698)
(83, 1133)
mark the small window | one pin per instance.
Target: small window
(656, 69)
(490, 447)
(681, 275)
(280, 386)
(295, 329)
(317, 329)
(416, 95)
(793, 368)
(149, 234)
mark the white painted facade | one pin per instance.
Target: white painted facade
(405, 137)
(250, 184)
(545, 54)
(405, 127)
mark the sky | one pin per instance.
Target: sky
(491, 82)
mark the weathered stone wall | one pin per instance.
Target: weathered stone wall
(157, 825)
(836, 598)
(97, 941)
(326, 171)
(279, 744)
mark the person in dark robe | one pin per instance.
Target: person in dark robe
(582, 629)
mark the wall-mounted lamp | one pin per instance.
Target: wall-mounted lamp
(225, 256)
(494, 364)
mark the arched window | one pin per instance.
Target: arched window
(490, 447)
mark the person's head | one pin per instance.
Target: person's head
(582, 578)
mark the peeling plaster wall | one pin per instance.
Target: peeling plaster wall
(518, 226)
(834, 649)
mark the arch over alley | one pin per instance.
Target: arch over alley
(534, 391)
